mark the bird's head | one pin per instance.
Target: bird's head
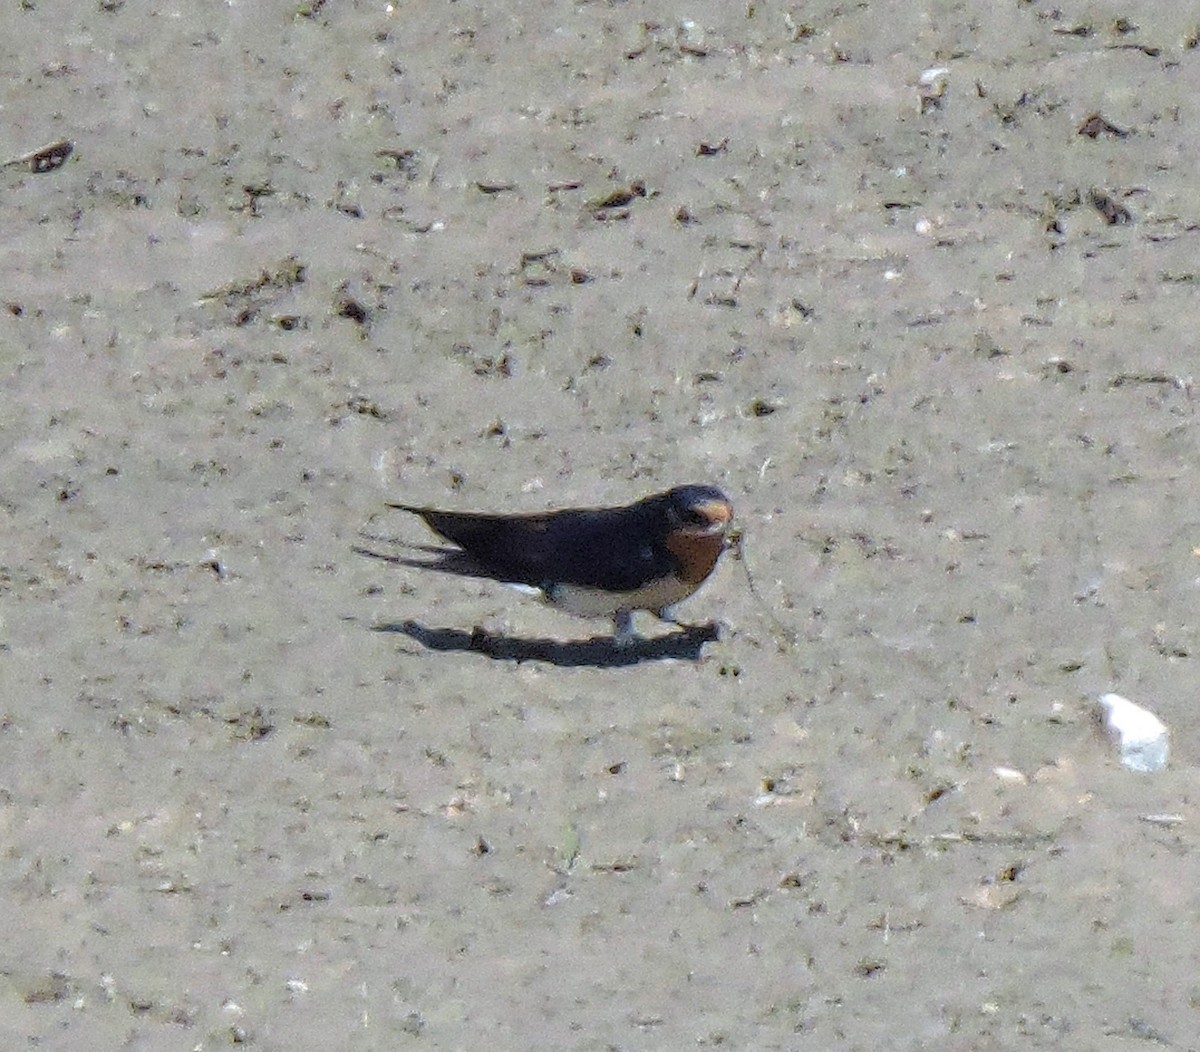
(700, 511)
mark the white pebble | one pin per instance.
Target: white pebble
(1140, 735)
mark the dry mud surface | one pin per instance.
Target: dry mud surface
(257, 787)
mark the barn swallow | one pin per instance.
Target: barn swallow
(593, 562)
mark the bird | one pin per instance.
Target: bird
(592, 562)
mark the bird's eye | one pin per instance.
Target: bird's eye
(695, 518)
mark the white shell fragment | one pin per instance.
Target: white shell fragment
(931, 86)
(934, 79)
(1138, 733)
(1009, 774)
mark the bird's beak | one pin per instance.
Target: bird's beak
(719, 514)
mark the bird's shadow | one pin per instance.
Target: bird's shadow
(685, 644)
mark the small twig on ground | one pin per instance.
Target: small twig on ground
(47, 159)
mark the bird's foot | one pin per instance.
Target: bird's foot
(719, 629)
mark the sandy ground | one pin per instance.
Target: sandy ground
(256, 787)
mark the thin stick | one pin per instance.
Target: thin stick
(783, 634)
(47, 159)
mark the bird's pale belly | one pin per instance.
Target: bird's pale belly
(595, 602)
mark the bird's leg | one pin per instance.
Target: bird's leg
(623, 633)
(667, 614)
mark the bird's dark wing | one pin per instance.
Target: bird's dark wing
(614, 549)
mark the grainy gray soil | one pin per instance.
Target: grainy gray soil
(255, 784)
